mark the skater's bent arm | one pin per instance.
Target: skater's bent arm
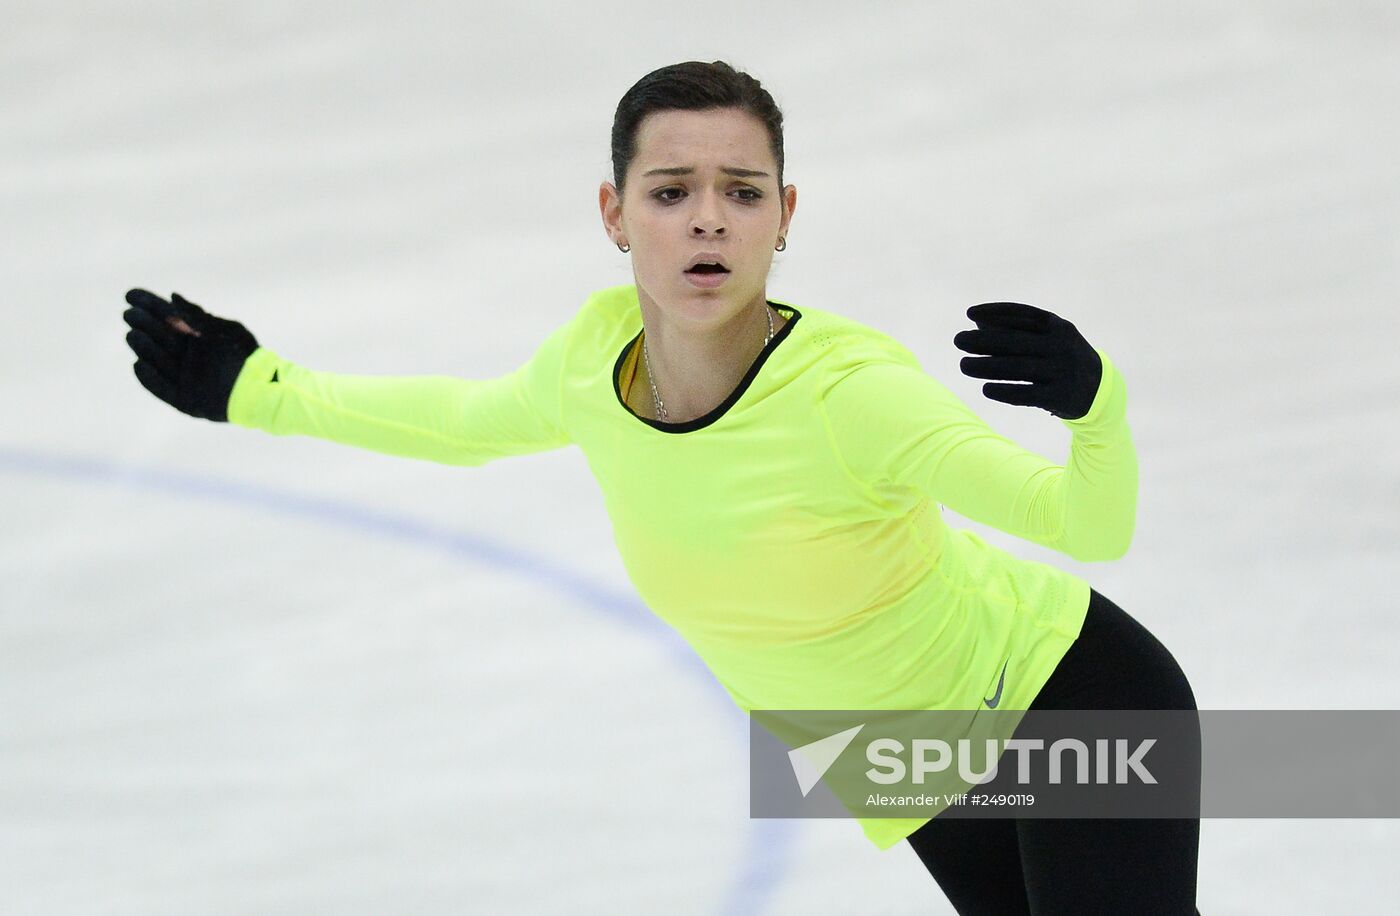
(437, 418)
(890, 422)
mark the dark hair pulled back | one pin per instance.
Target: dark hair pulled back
(691, 86)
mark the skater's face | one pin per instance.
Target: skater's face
(701, 181)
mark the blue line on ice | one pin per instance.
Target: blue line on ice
(769, 841)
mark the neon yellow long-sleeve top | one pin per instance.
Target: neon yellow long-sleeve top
(793, 534)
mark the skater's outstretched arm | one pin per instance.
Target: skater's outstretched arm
(214, 368)
(891, 423)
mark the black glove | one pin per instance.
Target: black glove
(1036, 346)
(185, 356)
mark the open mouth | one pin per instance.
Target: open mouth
(706, 276)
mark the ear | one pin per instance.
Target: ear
(789, 205)
(610, 207)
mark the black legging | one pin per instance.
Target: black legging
(1043, 866)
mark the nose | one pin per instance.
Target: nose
(707, 217)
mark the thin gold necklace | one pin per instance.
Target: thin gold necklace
(661, 408)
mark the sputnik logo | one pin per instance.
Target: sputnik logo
(811, 761)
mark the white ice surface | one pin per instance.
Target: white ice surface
(243, 675)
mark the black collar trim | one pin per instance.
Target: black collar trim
(701, 422)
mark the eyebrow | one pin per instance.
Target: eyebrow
(727, 169)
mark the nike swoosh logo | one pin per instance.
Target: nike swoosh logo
(996, 697)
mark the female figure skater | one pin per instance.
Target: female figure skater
(774, 475)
